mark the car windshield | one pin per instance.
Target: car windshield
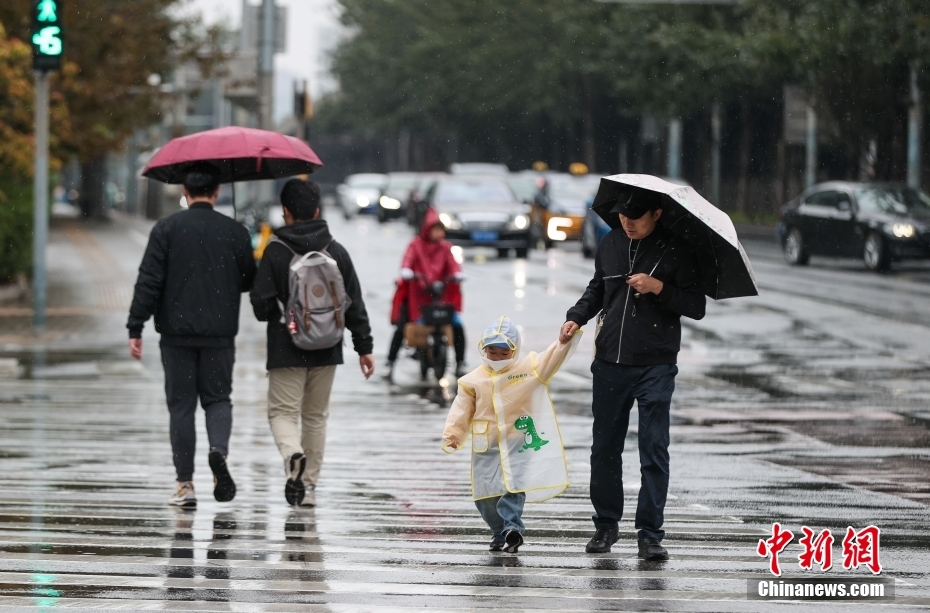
(524, 187)
(463, 191)
(401, 183)
(895, 200)
(574, 189)
(375, 181)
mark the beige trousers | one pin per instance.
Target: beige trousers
(300, 394)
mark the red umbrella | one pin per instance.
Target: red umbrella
(239, 154)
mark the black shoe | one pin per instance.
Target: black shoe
(460, 370)
(602, 540)
(512, 541)
(294, 489)
(650, 549)
(224, 489)
(497, 543)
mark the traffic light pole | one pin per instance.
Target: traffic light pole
(40, 200)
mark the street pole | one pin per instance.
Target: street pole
(715, 153)
(914, 126)
(266, 49)
(40, 203)
(674, 148)
(810, 161)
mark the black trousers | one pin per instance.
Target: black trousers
(616, 386)
(458, 338)
(192, 373)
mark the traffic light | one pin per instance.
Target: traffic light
(47, 35)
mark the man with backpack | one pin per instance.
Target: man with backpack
(307, 290)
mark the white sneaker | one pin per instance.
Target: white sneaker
(184, 495)
(309, 497)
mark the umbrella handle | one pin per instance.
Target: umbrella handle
(258, 160)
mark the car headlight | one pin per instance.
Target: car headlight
(389, 203)
(519, 222)
(903, 230)
(449, 221)
(554, 229)
(362, 201)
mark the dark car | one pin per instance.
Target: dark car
(482, 212)
(393, 203)
(879, 222)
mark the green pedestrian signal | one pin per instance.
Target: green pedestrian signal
(48, 40)
(48, 11)
(47, 35)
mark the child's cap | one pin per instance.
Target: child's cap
(502, 332)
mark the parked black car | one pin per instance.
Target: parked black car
(879, 222)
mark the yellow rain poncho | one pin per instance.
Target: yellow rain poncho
(515, 439)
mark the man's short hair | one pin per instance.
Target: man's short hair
(201, 180)
(301, 198)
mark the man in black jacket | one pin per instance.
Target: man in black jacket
(195, 268)
(645, 279)
(299, 381)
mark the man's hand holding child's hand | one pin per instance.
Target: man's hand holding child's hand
(568, 331)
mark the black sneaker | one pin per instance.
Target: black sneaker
(224, 489)
(294, 489)
(460, 370)
(512, 541)
(602, 540)
(650, 549)
(497, 543)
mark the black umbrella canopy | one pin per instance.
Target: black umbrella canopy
(725, 269)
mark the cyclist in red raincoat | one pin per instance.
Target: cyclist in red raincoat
(428, 259)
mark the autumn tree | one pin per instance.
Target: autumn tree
(114, 46)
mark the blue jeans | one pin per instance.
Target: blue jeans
(616, 386)
(502, 513)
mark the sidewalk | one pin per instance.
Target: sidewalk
(91, 270)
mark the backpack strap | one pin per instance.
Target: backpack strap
(275, 239)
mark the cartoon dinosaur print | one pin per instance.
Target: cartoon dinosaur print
(531, 438)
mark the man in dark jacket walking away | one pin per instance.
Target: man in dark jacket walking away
(300, 381)
(196, 266)
(645, 279)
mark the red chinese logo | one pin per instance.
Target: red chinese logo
(774, 546)
(816, 550)
(861, 549)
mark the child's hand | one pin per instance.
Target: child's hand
(568, 330)
(454, 444)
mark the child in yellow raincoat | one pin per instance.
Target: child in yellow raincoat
(517, 453)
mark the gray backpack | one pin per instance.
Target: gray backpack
(317, 300)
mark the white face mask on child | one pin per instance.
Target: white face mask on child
(497, 365)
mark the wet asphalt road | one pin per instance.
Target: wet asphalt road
(807, 405)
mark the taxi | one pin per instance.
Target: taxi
(559, 209)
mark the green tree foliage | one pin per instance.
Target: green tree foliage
(505, 69)
(853, 57)
(16, 147)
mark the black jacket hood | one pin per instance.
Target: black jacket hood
(305, 236)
